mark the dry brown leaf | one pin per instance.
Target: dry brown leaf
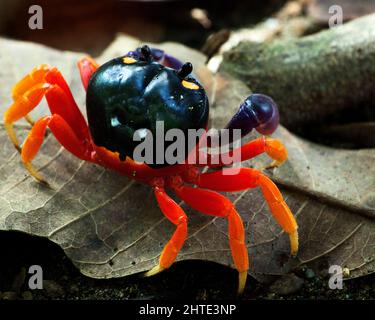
(110, 226)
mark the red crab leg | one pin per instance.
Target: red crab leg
(231, 180)
(63, 133)
(87, 67)
(215, 204)
(177, 216)
(21, 107)
(60, 100)
(29, 92)
(35, 77)
(273, 147)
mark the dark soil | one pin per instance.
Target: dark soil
(194, 280)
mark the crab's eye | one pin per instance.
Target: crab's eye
(185, 70)
(190, 85)
(129, 60)
(146, 53)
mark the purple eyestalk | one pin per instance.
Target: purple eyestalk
(258, 112)
(172, 62)
(157, 54)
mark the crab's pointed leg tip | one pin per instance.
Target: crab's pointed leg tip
(242, 276)
(45, 183)
(293, 243)
(34, 173)
(155, 270)
(273, 164)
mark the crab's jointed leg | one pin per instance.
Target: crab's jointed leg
(63, 133)
(21, 107)
(69, 126)
(177, 216)
(61, 101)
(273, 147)
(215, 204)
(36, 76)
(237, 179)
(87, 66)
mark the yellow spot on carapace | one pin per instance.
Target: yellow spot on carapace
(129, 60)
(190, 85)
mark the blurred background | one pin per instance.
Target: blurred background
(90, 25)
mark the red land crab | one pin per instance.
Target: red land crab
(130, 93)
